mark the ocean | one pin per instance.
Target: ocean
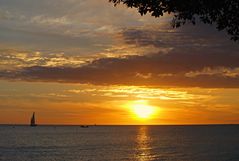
(126, 143)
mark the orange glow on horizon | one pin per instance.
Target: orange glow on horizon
(116, 105)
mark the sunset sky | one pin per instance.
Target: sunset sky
(88, 62)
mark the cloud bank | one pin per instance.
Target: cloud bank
(174, 69)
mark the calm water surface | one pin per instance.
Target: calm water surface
(110, 143)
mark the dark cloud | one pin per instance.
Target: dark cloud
(156, 70)
(201, 36)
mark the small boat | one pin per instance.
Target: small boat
(33, 122)
(84, 126)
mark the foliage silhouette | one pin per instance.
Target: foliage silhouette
(224, 14)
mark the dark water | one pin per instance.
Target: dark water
(142, 143)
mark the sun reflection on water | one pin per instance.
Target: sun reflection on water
(144, 148)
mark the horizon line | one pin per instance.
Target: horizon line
(120, 124)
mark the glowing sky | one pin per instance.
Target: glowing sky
(87, 62)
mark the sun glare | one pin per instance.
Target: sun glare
(142, 110)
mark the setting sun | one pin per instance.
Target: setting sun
(142, 110)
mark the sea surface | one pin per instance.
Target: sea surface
(113, 143)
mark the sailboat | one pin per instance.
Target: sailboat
(33, 122)
(84, 126)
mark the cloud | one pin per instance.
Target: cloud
(174, 69)
(144, 76)
(42, 19)
(12, 59)
(136, 50)
(220, 71)
(66, 26)
(200, 36)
